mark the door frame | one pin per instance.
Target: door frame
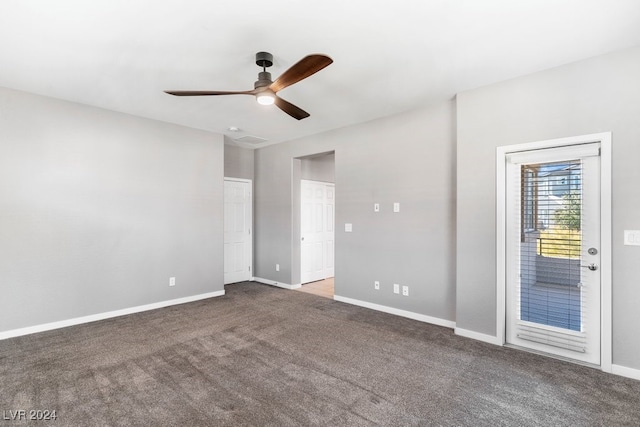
(296, 224)
(250, 182)
(604, 139)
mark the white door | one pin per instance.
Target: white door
(237, 231)
(553, 297)
(317, 230)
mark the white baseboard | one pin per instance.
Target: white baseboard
(477, 336)
(623, 371)
(397, 312)
(102, 316)
(274, 283)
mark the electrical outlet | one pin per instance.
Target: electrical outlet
(405, 291)
(396, 207)
(632, 237)
(376, 285)
(277, 267)
(396, 288)
(172, 281)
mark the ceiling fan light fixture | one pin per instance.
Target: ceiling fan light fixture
(266, 98)
(265, 89)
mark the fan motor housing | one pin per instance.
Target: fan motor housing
(264, 59)
(264, 79)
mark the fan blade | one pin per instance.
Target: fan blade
(208, 92)
(295, 112)
(304, 68)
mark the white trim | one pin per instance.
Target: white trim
(318, 182)
(102, 316)
(560, 142)
(501, 245)
(559, 154)
(606, 301)
(606, 329)
(274, 283)
(478, 336)
(623, 371)
(248, 181)
(397, 312)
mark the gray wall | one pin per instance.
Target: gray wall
(319, 168)
(99, 209)
(238, 161)
(597, 95)
(410, 159)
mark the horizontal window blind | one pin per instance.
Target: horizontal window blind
(551, 290)
(560, 339)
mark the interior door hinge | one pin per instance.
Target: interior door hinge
(249, 268)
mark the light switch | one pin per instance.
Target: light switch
(396, 207)
(348, 228)
(632, 237)
(376, 207)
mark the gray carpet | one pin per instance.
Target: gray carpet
(270, 357)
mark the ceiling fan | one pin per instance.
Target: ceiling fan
(265, 90)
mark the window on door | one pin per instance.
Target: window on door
(551, 244)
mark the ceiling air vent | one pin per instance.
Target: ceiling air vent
(250, 139)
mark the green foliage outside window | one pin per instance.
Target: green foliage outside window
(569, 216)
(563, 239)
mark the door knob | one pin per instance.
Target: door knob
(592, 267)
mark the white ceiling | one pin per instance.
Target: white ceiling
(389, 56)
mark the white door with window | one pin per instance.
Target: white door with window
(553, 251)
(237, 230)
(317, 230)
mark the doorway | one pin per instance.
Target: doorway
(314, 204)
(555, 249)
